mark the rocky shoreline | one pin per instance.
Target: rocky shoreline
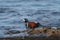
(55, 37)
(46, 33)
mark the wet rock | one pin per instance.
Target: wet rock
(48, 31)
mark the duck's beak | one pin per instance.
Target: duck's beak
(23, 20)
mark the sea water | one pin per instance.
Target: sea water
(47, 12)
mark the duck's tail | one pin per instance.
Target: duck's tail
(38, 24)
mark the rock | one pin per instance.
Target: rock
(47, 31)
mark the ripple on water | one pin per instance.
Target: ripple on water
(56, 13)
(3, 10)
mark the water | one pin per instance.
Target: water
(47, 12)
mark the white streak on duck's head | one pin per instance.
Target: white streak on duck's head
(25, 20)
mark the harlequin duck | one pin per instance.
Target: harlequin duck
(31, 24)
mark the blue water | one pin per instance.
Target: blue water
(47, 12)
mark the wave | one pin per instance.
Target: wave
(12, 19)
(56, 13)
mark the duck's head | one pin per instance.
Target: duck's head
(25, 20)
